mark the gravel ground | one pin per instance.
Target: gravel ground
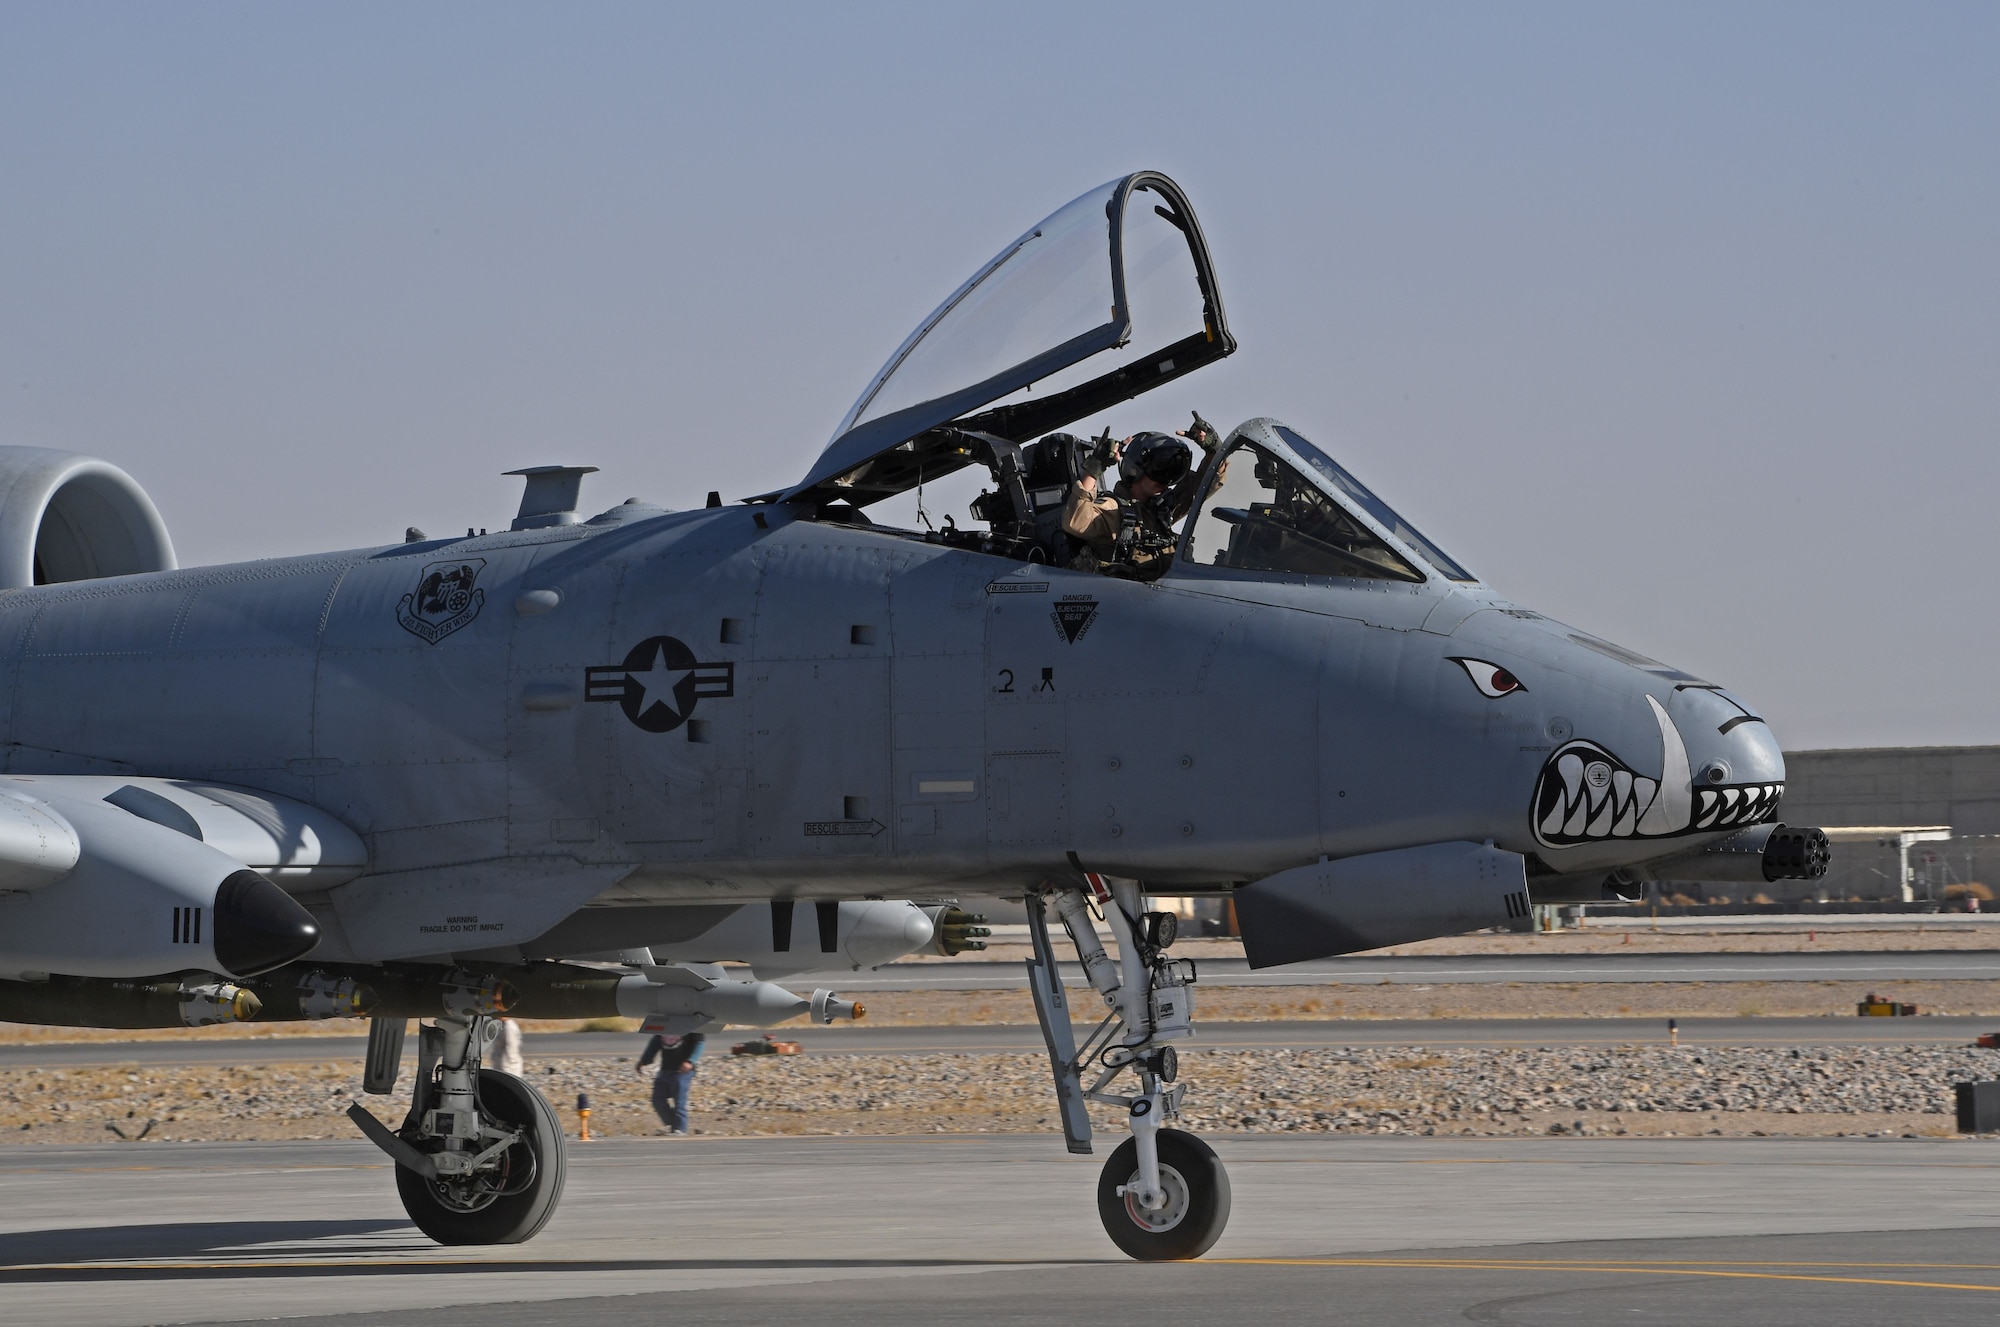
(1639, 1090)
(1227, 1004)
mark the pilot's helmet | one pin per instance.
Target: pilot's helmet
(1160, 457)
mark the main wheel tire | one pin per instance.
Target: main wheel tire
(516, 1213)
(1197, 1200)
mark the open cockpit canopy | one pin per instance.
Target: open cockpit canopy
(1107, 298)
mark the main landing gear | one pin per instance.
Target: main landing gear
(479, 1159)
(1163, 1194)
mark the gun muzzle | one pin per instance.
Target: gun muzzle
(1796, 853)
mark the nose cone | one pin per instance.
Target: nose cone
(1694, 761)
(258, 926)
(1734, 764)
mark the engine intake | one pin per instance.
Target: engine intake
(68, 517)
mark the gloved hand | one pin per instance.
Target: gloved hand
(1103, 453)
(1202, 433)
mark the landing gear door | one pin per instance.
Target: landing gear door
(1107, 298)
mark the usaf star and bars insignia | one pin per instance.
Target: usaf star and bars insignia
(658, 684)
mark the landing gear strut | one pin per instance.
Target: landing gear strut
(479, 1159)
(1164, 1194)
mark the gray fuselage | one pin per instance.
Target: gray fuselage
(834, 712)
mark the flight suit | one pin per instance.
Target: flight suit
(1098, 520)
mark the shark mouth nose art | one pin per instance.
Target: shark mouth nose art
(1588, 795)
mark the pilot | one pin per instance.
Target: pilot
(1130, 531)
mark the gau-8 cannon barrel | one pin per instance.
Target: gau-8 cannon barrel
(1758, 855)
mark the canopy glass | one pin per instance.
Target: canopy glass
(1108, 297)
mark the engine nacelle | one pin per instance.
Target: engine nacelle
(138, 899)
(69, 517)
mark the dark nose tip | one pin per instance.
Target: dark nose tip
(258, 926)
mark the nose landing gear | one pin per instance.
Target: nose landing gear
(1164, 1194)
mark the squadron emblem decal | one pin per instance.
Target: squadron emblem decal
(444, 599)
(658, 684)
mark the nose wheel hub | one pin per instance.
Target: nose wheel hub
(1173, 1207)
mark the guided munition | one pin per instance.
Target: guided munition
(196, 1000)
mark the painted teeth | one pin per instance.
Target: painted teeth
(1607, 806)
(1747, 804)
(1587, 795)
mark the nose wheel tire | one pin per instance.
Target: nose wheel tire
(1197, 1206)
(511, 1204)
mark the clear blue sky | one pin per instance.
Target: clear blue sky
(1677, 322)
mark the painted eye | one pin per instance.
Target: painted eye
(1492, 680)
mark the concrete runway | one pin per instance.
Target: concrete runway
(1835, 965)
(1003, 1229)
(863, 1039)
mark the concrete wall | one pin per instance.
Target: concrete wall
(1903, 785)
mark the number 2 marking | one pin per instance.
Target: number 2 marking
(1007, 673)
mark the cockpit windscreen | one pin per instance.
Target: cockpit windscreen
(1262, 515)
(1359, 494)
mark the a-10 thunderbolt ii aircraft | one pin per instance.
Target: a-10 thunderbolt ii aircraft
(565, 768)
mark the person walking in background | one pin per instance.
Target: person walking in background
(677, 1056)
(507, 1048)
